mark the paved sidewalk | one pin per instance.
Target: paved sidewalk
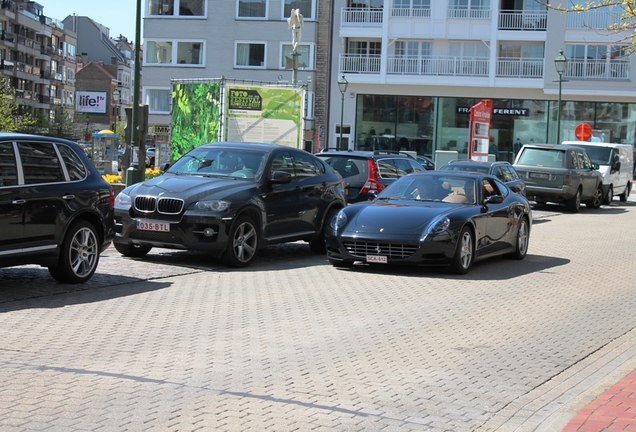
(614, 410)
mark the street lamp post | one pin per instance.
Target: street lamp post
(342, 86)
(116, 94)
(560, 62)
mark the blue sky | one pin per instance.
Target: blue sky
(118, 15)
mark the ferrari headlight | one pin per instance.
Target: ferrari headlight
(123, 201)
(338, 221)
(440, 224)
(212, 205)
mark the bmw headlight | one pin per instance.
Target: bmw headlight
(212, 205)
(123, 201)
(439, 224)
(339, 221)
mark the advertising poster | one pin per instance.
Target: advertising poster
(90, 102)
(196, 110)
(264, 114)
(480, 118)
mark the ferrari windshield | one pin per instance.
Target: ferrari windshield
(432, 187)
(221, 161)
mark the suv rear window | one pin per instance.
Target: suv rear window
(351, 169)
(551, 158)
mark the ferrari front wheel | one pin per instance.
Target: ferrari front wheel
(464, 252)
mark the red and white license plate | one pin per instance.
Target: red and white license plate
(377, 259)
(153, 226)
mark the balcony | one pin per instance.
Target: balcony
(7, 65)
(519, 68)
(595, 19)
(469, 13)
(357, 17)
(597, 69)
(411, 12)
(362, 64)
(437, 65)
(523, 20)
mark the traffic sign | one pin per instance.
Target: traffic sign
(583, 132)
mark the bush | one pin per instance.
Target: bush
(116, 178)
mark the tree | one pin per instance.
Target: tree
(623, 11)
(62, 125)
(11, 118)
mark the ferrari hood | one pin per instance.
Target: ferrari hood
(399, 217)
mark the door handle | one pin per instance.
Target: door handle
(68, 197)
(18, 201)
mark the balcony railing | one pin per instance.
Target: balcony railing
(520, 68)
(411, 12)
(357, 17)
(355, 63)
(597, 69)
(522, 20)
(436, 65)
(596, 19)
(7, 65)
(469, 13)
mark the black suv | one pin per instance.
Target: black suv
(365, 171)
(55, 208)
(230, 199)
(503, 170)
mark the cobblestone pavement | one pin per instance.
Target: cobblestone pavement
(180, 342)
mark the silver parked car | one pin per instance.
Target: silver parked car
(560, 173)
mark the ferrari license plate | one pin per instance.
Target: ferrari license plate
(377, 259)
(146, 225)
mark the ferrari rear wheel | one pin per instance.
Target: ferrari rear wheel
(464, 253)
(523, 239)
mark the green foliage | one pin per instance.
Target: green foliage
(11, 119)
(195, 116)
(62, 125)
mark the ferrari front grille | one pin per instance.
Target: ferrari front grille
(391, 250)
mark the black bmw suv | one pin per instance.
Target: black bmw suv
(365, 171)
(55, 208)
(230, 199)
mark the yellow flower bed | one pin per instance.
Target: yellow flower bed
(116, 178)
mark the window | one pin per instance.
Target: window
(469, 9)
(304, 59)
(74, 166)
(597, 61)
(181, 8)
(158, 100)
(181, 53)
(304, 166)
(252, 9)
(250, 55)
(8, 167)
(306, 8)
(158, 52)
(40, 163)
(416, 8)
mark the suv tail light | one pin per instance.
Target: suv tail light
(372, 182)
(111, 199)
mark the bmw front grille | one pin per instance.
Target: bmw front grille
(166, 206)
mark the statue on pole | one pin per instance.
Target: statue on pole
(295, 23)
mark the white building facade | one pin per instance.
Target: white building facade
(415, 67)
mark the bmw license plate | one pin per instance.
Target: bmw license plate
(376, 259)
(146, 225)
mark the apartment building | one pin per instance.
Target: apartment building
(37, 57)
(415, 67)
(243, 40)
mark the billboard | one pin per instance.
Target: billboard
(91, 102)
(213, 110)
(479, 130)
(264, 114)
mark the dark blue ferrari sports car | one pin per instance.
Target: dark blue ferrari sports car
(433, 218)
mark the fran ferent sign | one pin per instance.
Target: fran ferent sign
(91, 102)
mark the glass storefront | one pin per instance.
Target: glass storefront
(427, 124)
